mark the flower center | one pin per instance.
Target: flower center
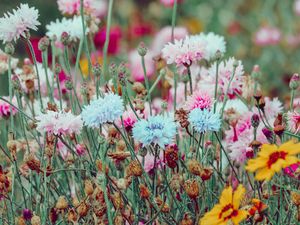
(228, 212)
(275, 156)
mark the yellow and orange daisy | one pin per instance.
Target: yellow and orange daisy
(228, 210)
(272, 159)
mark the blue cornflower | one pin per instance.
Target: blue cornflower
(156, 129)
(102, 110)
(204, 120)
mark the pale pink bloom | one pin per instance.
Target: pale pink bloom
(5, 108)
(63, 150)
(16, 24)
(184, 52)
(169, 3)
(59, 123)
(293, 40)
(165, 35)
(199, 99)
(267, 35)
(80, 149)
(297, 7)
(272, 108)
(96, 8)
(226, 70)
(136, 68)
(149, 161)
(293, 121)
(129, 119)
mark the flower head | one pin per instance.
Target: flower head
(15, 24)
(272, 159)
(129, 119)
(228, 210)
(201, 100)
(5, 108)
(158, 130)
(267, 36)
(184, 52)
(293, 121)
(59, 123)
(204, 120)
(103, 110)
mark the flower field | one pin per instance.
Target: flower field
(154, 112)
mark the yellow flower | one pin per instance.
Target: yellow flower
(84, 64)
(227, 211)
(272, 159)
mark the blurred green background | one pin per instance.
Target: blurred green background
(237, 20)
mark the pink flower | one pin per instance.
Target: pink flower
(114, 40)
(80, 149)
(59, 123)
(151, 163)
(5, 108)
(169, 3)
(272, 108)
(184, 52)
(129, 119)
(199, 99)
(293, 121)
(290, 170)
(165, 35)
(267, 36)
(135, 65)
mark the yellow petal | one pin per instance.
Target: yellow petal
(289, 160)
(290, 147)
(242, 214)
(238, 195)
(255, 164)
(226, 196)
(276, 167)
(264, 174)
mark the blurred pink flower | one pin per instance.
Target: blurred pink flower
(80, 149)
(129, 119)
(149, 162)
(5, 108)
(293, 121)
(297, 7)
(136, 68)
(164, 36)
(199, 99)
(114, 40)
(293, 40)
(290, 170)
(169, 3)
(267, 36)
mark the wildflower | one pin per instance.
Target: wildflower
(204, 120)
(4, 62)
(80, 149)
(272, 159)
(181, 116)
(171, 155)
(5, 108)
(201, 100)
(35, 220)
(228, 210)
(192, 188)
(214, 43)
(151, 162)
(16, 24)
(158, 130)
(267, 36)
(59, 123)
(184, 52)
(61, 203)
(102, 110)
(293, 121)
(144, 191)
(169, 3)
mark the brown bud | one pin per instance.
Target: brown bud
(20, 221)
(186, 220)
(206, 173)
(88, 187)
(35, 220)
(33, 163)
(192, 188)
(255, 144)
(82, 209)
(72, 216)
(194, 167)
(117, 200)
(171, 156)
(257, 95)
(295, 198)
(144, 191)
(161, 204)
(279, 129)
(181, 116)
(139, 88)
(12, 147)
(118, 220)
(134, 169)
(61, 203)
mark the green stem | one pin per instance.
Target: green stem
(10, 93)
(174, 12)
(147, 84)
(216, 86)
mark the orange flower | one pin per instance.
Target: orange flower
(272, 159)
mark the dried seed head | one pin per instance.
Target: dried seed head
(295, 197)
(162, 204)
(82, 209)
(206, 173)
(134, 169)
(117, 200)
(192, 188)
(278, 130)
(194, 167)
(20, 221)
(181, 116)
(171, 155)
(72, 216)
(88, 187)
(61, 203)
(255, 120)
(139, 88)
(144, 191)
(187, 220)
(35, 220)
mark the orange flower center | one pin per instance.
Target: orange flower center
(273, 158)
(228, 212)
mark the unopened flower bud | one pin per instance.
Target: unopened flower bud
(61, 203)
(235, 63)
(142, 50)
(57, 68)
(134, 169)
(261, 104)
(255, 120)
(88, 187)
(35, 220)
(96, 69)
(43, 44)
(27, 214)
(294, 82)
(192, 188)
(268, 134)
(9, 48)
(256, 72)
(218, 55)
(65, 38)
(279, 129)
(69, 83)
(144, 191)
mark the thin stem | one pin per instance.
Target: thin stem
(147, 84)
(10, 93)
(174, 13)
(216, 86)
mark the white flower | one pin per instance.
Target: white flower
(213, 43)
(15, 24)
(72, 26)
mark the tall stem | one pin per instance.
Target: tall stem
(147, 84)
(174, 19)
(10, 93)
(216, 86)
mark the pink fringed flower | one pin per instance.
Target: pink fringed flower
(59, 123)
(290, 170)
(164, 36)
(129, 119)
(293, 121)
(201, 100)
(184, 52)
(267, 36)
(5, 108)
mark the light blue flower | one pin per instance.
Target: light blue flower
(156, 129)
(102, 110)
(204, 120)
